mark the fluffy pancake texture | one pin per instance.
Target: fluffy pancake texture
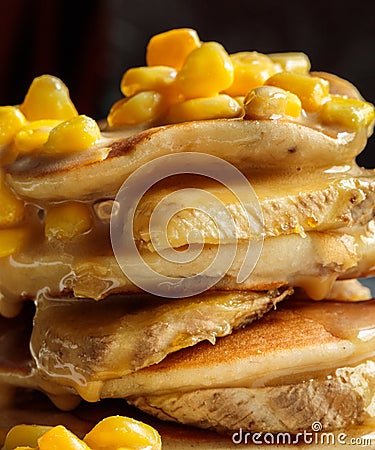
(320, 258)
(289, 343)
(288, 145)
(302, 202)
(309, 194)
(294, 342)
(272, 377)
(292, 366)
(70, 348)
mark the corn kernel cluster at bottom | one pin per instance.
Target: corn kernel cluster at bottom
(111, 433)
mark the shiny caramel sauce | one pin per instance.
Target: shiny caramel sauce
(351, 326)
(51, 265)
(352, 321)
(47, 265)
(54, 273)
(55, 265)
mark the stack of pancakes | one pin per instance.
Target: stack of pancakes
(286, 346)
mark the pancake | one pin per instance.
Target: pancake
(289, 145)
(286, 371)
(318, 260)
(298, 178)
(219, 200)
(294, 342)
(303, 202)
(122, 335)
(279, 374)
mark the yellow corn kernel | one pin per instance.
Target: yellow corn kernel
(116, 432)
(48, 98)
(171, 47)
(240, 99)
(217, 107)
(24, 436)
(269, 102)
(67, 220)
(144, 107)
(60, 438)
(12, 208)
(33, 136)
(11, 121)
(207, 71)
(312, 91)
(251, 69)
(350, 113)
(292, 62)
(12, 240)
(155, 78)
(74, 135)
(8, 155)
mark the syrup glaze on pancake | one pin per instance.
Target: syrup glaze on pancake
(305, 177)
(289, 146)
(291, 343)
(77, 342)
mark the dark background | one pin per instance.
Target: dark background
(90, 44)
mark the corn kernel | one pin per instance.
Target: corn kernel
(217, 107)
(251, 69)
(268, 102)
(240, 99)
(144, 107)
(33, 136)
(12, 240)
(8, 155)
(67, 220)
(12, 208)
(171, 47)
(48, 98)
(11, 121)
(156, 78)
(117, 432)
(74, 135)
(312, 91)
(291, 62)
(60, 438)
(207, 71)
(350, 113)
(24, 436)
